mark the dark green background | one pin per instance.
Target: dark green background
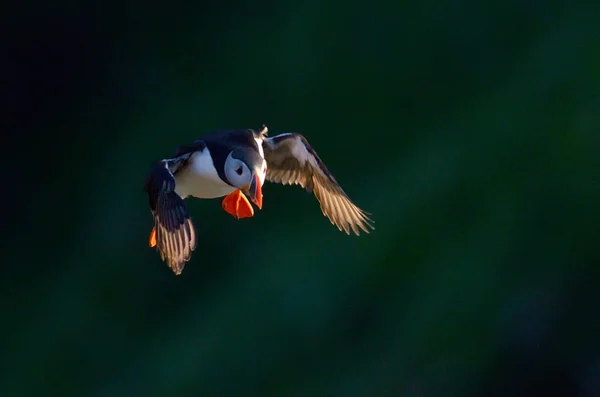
(469, 131)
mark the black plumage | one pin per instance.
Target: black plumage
(175, 231)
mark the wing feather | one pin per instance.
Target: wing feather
(175, 232)
(292, 161)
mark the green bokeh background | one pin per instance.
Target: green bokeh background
(470, 131)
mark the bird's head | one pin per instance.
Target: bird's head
(245, 170)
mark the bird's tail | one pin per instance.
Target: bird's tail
(173, 235)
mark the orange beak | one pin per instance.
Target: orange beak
(255, 191)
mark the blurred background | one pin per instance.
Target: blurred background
(470, 131)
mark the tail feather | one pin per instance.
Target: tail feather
(174, 233)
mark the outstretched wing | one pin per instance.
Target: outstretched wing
(292, 161)
(175, 232)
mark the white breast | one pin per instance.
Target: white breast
(200, 178)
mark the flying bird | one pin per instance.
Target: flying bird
(235, 164)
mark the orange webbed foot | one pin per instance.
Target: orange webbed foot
(152, 241)
(237, 205)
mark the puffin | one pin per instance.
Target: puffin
(234, 164)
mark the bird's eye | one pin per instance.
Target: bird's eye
(239, 170)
